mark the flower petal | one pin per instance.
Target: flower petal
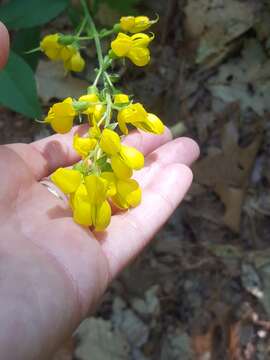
(132, 157)
(140, 56)
(110, 142)
(96, 188)
(121, 170)
(102, 216)
(121, 45)
(67, 180)
(82, 210)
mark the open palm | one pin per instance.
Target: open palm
(53, 272)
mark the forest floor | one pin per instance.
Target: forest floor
(202, 288)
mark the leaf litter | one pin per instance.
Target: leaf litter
(202, 289)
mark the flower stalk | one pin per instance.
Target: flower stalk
(104, 173)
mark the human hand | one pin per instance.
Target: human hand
(53, 272)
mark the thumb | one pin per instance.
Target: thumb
(4, 45)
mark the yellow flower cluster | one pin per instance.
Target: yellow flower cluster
(103, 176)
(70, 55)
(134, 47)
(61, 115)
(92, 188)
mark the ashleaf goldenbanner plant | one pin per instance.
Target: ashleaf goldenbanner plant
(104, 174)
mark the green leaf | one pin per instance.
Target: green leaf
(75, 15)
(20, 14)
(25, 40)
(18, 87)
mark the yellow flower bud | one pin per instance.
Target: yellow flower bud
(121, 99)
(131, 114)
(128, 195)
(82, 209)
(97, 188)
(92, 100)
(111, 180)
(75, 63)
(67, 52)
(110, 142)
(67, 180)
(120, 168)
(95, 109)
(121, 45)
(153, 125)
(134, 47)
(50, 46)
(94, 131)
(83, 146)
(136, 24)
(101, 215)
(61, 116)
(132, 157)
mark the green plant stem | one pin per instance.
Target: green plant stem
(109, 109)
(84, 22)
(101, 35)
(109, 81)
(95, 33)
(103, 65)
(98, 77)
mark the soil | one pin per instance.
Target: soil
(202, 288)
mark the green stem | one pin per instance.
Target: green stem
(95, 33)
(109, 81)
(84, 22)
(98, 77)
(109, 109)
(101, 35)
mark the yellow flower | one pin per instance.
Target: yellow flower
(152, 125)
(110, 142)
(90, 214)
(136, 24)
(133, 47)
(75, 62)
(69, 54)
(96, 109)
(121, 99)
(125, 161)
(83, 146)
(67, 180)
(82, 209)
(136, 115)
(94, 131)
(98, 188)
(125, 193)
(111, 181)
(130, 115)
(51, 47)
(101, 215)
(128, 194)
(61, 116)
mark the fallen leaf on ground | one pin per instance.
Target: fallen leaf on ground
(245, 79)
(215, 24)
(53, 83)
(227, 171)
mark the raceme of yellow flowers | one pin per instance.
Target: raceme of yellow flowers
(103, 176)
